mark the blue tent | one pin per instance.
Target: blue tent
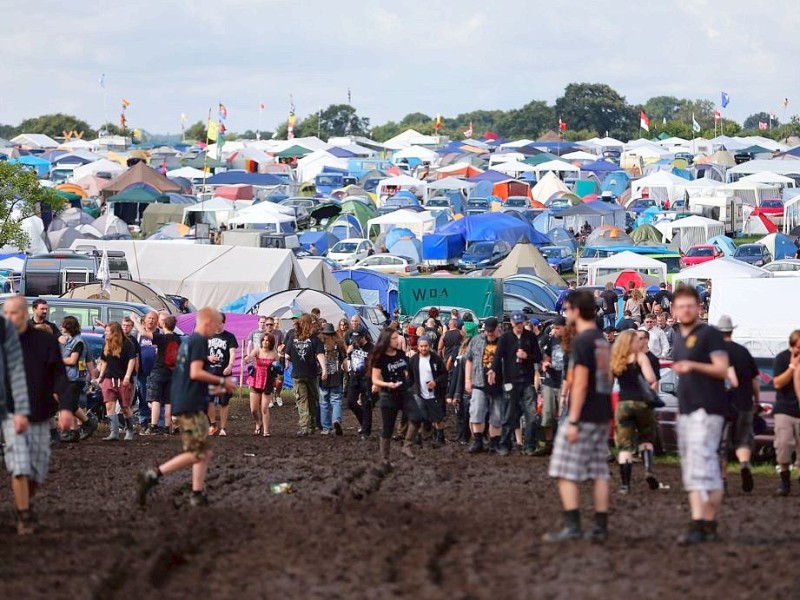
(561, 237)
(780, 245)
(493, 176)
(616, 183)
(233, 177)
(322, 240)
(544, 221)
(724, 243)
(375, 288)
(495, 226)
(395, 234)
(341, 152)
(41, 166)
(530, 289)
(600, 166)
(175, 198)
(346, 226)
(442, 247)
(402, 199)
(409, 247)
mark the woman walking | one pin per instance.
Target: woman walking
(116, 368)
(634, 419)
(330, 387)
(262, 383)
(391, 381)
(634, 304)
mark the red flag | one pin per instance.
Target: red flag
(562, 126)
(437, 125)
(717, 116)
(261, 106)
(762, 125)
(223, 112)
(644, 121)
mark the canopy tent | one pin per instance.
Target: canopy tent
(209, 275)
(724, 267)
(750, 192)
(525, 258)
(548, 186)
(779, 245)
(595, 213)
(187, 172)
(770, 179)
(125, 290)
(514, 168)
(652, 271)
(580, 155)
(494, 226)
(139, 174)
(313, 164)
(659, 186)
(758, 224)
(694, 230)
(419, 223)
(410, 137)
(266, 215)
(319, 276)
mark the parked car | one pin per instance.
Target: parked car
(517, 202)
(513, 303)
(421, 316)
(642, 204)
(753, 254)
(484, 254)
(438, 202)
(561, 258)
(773, 209)
(351, 250)
(476, 206)
(700, 253)
(787, 267)
(389, 263)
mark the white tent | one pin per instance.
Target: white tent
(419, 223)
(607, 269)
(401, 182)
(695, 230)
(424, 154)
(660, 186)
(38, 141)
(188, 173)
(791, 213)
(311, 165)
(724, 267)
(78, 145)
(697, 187)
(548, 185)
(410, 137)
(450, 183)
(319, 276)
(209, 275)
(216, 211)
(606, 142)
(33, 227)
(781, 167)
(751, 192)
(770, 178)
(757, 225)
(580, 155)
(514, 167)
(555, 165)
(99, 166)
(263, 213)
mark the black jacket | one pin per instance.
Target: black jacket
(439, 375)
(505, 363)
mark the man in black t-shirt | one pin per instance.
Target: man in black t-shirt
(552, 380)
(485, 397)
(307, 355)
(190, 382)
(159, 382)
(663, 298)
(40, 311)
(743, 396)
(609, 305)
(701, 361)
(221, 358)
(581, 447)
(450, 342)
(786, 410)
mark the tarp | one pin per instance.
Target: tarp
(209, 275)
(319, 276)
(494, 226)
(441, 247)
(525, 258)
(362, 286)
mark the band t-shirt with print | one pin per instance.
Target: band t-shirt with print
(591, 350)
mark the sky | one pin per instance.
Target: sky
(435, 56)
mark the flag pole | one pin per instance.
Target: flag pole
(205, 158)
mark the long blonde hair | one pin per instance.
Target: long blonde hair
(621, 351)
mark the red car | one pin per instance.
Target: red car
(699, 254)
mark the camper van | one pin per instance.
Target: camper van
(726, 209)
(57, 272)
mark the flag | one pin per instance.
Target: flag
(213, 131)
(290, 125)
(644, 121)
(726, 99)
(102, 80)
(663, 120)
(695, 125)
(771, 116)
(104, 273)
(260, 106)
(223, 112)
(785, 102)
(437, 124)
(717, 116)
(184, 119)
(562, 126)
(125, 104)
(468, 132)
(762, 125)
(222, 129)
(123, 122)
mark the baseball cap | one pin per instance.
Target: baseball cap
(490, 324)
(518, 318)
(535, 321)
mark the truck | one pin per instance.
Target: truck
(482, 296)
(724, 208)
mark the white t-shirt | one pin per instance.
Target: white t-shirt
(425, 375)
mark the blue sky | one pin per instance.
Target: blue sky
(182, 56)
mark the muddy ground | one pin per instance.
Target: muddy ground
(447, 525)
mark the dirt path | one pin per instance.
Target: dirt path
(445, 526)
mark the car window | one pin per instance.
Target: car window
(87, 315)
(118, 313)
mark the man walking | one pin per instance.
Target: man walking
(486, 398)
(786, 410)
(190, 383)
(552, 378)
(669, 333)
(581, 447)
(221, 358)
(657, 343)
(609, 305)
(429, 386)
(34, 372)
(701, 360)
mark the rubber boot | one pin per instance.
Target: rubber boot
(785, 486)
(571, 530)
(647, 459)
(477, 443)
(438, 438)
(386, 448)
(129, 429)
(409, 441)
(113, 425)
(625, 471)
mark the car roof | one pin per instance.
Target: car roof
(352, 240)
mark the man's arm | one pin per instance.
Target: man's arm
(231, 361)
(783, 379)
(578, 392)
(198, 373)
(15, 372)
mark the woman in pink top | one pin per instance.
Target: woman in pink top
(262, 383)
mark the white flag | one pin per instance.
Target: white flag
(104, 273)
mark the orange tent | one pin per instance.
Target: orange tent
(512, 187)
(72, 188)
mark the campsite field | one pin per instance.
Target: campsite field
(444, 526)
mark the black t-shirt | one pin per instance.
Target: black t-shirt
(44, 372)
(452, 342)
(626, 324)
(359, 358)
(746, 370)
(629, 386)
(655, 364)
(591, 350)
(303, 354)
(609, 305)
(137, 349)
(117, 366)
(393, 369)
(554, 374)
(166, 351)
(189, 395)
(663, 298)
(695, 390)
(785, 398)
(53, 327)
(220, 345)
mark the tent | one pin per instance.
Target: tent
(209, 275)
(215, 212)
(92, 184)
(125, 290)
(319, 276)
(108, 224)
(722, 268)
(561, 237)
(608, 235)
(459, 169)
(555, 166)
(652, 271)
(363, 286)
(362, 210)
(322, 240)
(392, 185)
(346, 226)
(187, 172)
(66, 219)
(273, 217)
(156, 215)
(139, 174)
(595, 213)
(533, 287)
(254, 179)
(547, 186)
(646, 234)
(419, 223)
(694, 230)
(724, 243)
(660, 186)
(758, 224)
(494, 226)
(171, 231)
(525, 258)
(33, 227)
(313, 164)
(779, 245)
(408, 247)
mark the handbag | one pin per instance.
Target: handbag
(649, 394)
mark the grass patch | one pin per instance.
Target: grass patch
(763, 468)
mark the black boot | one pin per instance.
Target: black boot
(438, 438)
(785, 486)
(599, 532)
(571, 530)
(494, 444)
(477, 443)
(694, 535)
(747, 478)
(647, 459)
(625, 471)
(709, 531)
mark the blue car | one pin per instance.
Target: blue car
(484, 254)
(561, 258)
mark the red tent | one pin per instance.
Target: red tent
(625, 278)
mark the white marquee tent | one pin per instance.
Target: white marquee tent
(720, 268)
(609, 268)
(660, 186)
(419, 223)
(693, 230)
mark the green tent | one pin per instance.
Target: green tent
(585, 187)
(293, 151)
(201, 161)
(756, 149)
(647, 234)
(544, 157)
(138, 195)
(68, 196)
(362, 211)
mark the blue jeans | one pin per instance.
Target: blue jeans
(520, 402)
(330, 406)
(609, 320)
(144, 407)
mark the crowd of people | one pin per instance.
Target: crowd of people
(513, 387)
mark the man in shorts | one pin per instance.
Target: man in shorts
(581, 447)
(34, 373)
(485, 397)
(552, 379)
(701, 361)
(167, 343)
(221, 358)
(190, 382)
(429, 385)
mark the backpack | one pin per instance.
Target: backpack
(665, 303)
(171, 353)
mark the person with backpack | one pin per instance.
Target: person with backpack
(74, 352)
(663, 297)
(160, 379)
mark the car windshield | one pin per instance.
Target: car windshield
(344, 247)
(748, 251)
(481, 248)
(700, 252)
(772, 204)
(516, 202)
(673, 263)
(440, 202)
(551, 252)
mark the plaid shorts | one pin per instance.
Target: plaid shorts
(699, 436)
(194, 432)
(27, 454)
(585, 459)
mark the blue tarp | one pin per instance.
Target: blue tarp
(234, 177)
(442, 247)
(493, 176)
(409, 247)
(380, 288)
(494, 226)
(600, 166)
(322, 240)
(341, 152)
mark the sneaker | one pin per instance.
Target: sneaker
(747, 480)
(198, 499)
(652, 482)
(213, 430)
(691, 537)
(529, 452)
(564, 535)
(146, 481)
(222, 433)
(545, 450)
(88, 428)
(271, 404)
(325, 432)
(475, 447)
(337, 427)
(71, 436)
(24, 522)
(279, 401)
(301, 433)
(148, 430)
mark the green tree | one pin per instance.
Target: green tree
(20, 198)
(703, 111)
(197, 131)
(335, 121)
(530, 121)
(7, 131)
(599, 107)
(662, 107)
(54, 125)
(753, 120)
(381, 133)
(113, 129)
